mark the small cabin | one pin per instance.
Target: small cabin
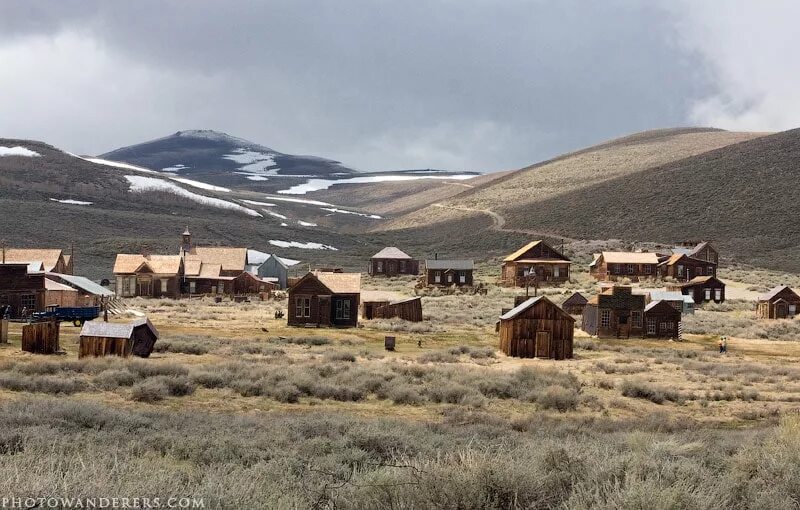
(616, 265)
(779, 303)
(392, 261)
(617, 312)
(662, 320)
(321, 299)
(114, 339)
(536, 260)
(702, 289)
(575, 304)
(537, 328)
(447, 273)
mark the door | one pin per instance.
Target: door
(324, 311)
(144, 287)
(542, 344)
(781, 310)
(623, 326)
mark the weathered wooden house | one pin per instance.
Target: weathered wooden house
(447, 273)
(538, 260)
(22, 291)
(616, 265)
(276, 269)
(113, 339)
(537, 328)
(148, 275)
(702, 289)
(662, 320)
(323, 299)
(682, 267)
(697, 250)
(392, 261)
(89, 293)
(676, 299)
(779, 303)
(616, 312)
(575, 304)
(52, 260)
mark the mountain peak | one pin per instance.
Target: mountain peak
(210, 134)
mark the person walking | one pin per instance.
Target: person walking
(721, 345)
(724, 345)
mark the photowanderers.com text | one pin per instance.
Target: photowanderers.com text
(54, 502)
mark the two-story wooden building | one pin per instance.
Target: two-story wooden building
(21, 291)
(617, 312)
(682, 267)
(392, 261)
(538, 260)
(447, 273)
(52, 260)
(616, 265)
(321, 299)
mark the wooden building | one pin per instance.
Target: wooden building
(779, 303)
(321, 299)
(676, 299)
(392, 261)
(53, 260)
(22, 291)
(536, 259)
(697, 250)
(537, 328)
(407, 309)
(662, 320)
(148, 275)
(702, 289)
(89, 293)
(616, 265)
(447, 273)
(617, 312)
(575, 304)
(681, 267)
(112, 339)
(276, 269)
(61, 295)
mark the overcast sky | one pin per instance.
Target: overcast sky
(457, 84)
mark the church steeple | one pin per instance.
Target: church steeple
(186, 241)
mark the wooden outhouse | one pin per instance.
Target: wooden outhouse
(536, 259)
(662, 320)
(115, 339)
(321, 299)
(779, 303)
(537, 328)
(392, 261)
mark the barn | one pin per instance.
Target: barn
(575, 304)
(112, 339)
(324, 299)
(662, 320)
(537, 328)
(779, 303)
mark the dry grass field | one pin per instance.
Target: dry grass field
(236, 408)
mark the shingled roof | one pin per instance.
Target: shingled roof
(623, 257)
(456, 265)
(391, 252)
(340, 283)
(231, 259)
(49, 257)
(127, 263)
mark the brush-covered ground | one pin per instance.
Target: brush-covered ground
(238, 409)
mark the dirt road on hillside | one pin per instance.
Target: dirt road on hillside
(498, 223)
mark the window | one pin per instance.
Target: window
(556, 271)
(163, 286)
(449, 277)
(213, 289)
(631, 268)
(616, 269)
(718, 294)
(402, 266)
(605, 318)
(792, 309)
(28, 301)
(680, 270)
(343, 309)
(302, 307)
(437, 277)
(710, 271)
(636, 319)
(462, 277)
(380, 266)
(708, 294)
(651, 326)
(648, 269)
(667, 327)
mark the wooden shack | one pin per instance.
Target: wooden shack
(323, 299)
(662, 320)
(702, 289)
(617, 312)
(615, 265)
(20, 290)
(575, 304)
(407, 309)
(447, 273)
(369, 308)
(392, 261)
(779, 303)
(41, 337)
(537, 328)
(538, 260)
(114, 339)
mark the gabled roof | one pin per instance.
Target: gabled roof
(652, 305)
(54, 285)
(231, 259)
(575, 299)
(127, 263)
(624, 257)
(769, 296)
(84, 284)
(210, 270)
(391, 252)
(677, 257)
(519, 253)
(698, 248)
(340, 283)
(116, 330)
(529, 303)
(49, 257)
(458, 265)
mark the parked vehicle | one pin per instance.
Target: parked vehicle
(76, 315)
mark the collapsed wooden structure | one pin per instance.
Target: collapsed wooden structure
(537, 328)
(113, 339)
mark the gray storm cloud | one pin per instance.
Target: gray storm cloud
(461, 85)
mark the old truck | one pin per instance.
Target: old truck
(76, 315)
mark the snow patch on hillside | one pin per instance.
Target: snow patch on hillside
(198, 184)
(322, 184)
(72, 202)
(302, 246)
(254, 163)
(281, 216)
(255, 202)
(306, 223)
(300, 201)
(342, 211)
(117, 164)
(18, 151)
(174, 168)
(140, 183)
